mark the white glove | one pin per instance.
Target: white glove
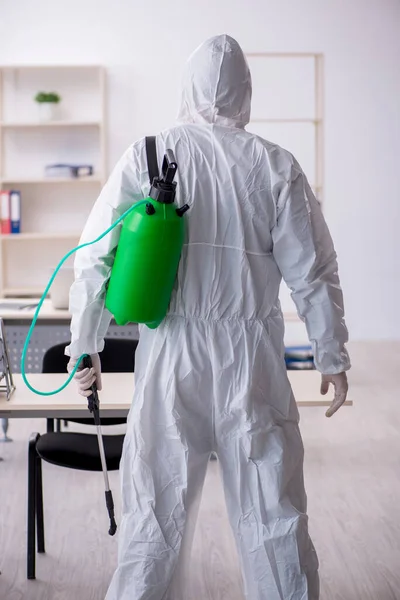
(86, 377)
(341, 388)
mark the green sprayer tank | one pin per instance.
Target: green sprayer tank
(148, 254)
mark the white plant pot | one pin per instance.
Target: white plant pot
(47, 111)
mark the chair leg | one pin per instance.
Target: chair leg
(39, 506)
(32, 464)
(50, 425)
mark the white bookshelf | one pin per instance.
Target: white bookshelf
(53, 209)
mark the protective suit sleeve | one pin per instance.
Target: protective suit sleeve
(304, 252)
(89, 317)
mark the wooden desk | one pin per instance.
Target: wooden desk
(115, 398)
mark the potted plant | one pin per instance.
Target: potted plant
(47, 102)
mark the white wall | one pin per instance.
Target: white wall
(144, 44)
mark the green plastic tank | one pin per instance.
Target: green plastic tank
(148, 253)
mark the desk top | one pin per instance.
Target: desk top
(115, 398)
(24, 308)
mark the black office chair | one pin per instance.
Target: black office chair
(72, 450)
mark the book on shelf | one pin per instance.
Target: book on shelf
(299, 353)
(10, 207)
(15, 211)
(5, 211)
(66, 170)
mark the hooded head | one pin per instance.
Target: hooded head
(217, 85)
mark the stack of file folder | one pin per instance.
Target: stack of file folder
(299, 358)
(73, 171)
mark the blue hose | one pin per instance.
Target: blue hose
(42, 299)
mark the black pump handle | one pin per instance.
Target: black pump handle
(169, 154)
(169, 166)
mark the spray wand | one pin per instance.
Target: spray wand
(94, 407)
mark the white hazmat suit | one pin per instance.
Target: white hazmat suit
(212, 377)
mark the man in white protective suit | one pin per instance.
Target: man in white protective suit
(212, 376)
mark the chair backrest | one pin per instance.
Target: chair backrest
(118, 356)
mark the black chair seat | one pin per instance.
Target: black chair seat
(80, 450)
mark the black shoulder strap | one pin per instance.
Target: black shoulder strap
(152, 162)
